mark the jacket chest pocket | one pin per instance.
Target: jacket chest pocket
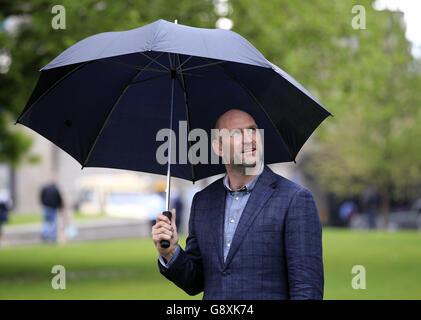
(267, 237)
(266, 225)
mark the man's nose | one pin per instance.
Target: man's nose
(248, 135)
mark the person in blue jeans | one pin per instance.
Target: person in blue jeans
(52, 202)
(5, 205)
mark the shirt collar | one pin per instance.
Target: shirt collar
(248, 187)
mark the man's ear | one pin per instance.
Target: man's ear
(217, 147)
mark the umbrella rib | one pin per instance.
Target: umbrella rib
(180, 65)
(204, 65)
(133, 66)
(202, 76)
(109, 115)
(150, 78)
(183, 86)
(154, 60)
(51, 88)
(169, 58)
(260, 105)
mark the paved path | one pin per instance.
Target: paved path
(95, 229)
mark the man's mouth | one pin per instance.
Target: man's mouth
(249, 150)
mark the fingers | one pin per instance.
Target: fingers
(161, 236)
(164, 225)
(162, 230)
(163, 218)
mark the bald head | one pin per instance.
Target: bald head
(234, 119)
(236, 139)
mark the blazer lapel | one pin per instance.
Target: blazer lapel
(258, 197)
(217, 213)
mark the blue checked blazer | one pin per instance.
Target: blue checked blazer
(276, 252)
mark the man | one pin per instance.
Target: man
(6, 204)
(251, 236)
(51, 201)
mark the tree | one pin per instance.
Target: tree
(366, 77)
(36, 43)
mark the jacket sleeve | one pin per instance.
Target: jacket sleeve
(186, 270)
(303, 243)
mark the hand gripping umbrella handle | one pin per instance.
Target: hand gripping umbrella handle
(165, 243)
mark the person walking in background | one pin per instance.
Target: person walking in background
(52, 202)
(177, 203)
(370, 202)
(347, 211)
(5, 205)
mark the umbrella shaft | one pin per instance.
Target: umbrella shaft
(167, 191)
(167, 200)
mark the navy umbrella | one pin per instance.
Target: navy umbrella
(104, 99)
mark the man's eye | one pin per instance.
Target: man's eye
(235, 133)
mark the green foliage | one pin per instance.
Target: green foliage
(13, 142)
(367, 78)
(38, 43)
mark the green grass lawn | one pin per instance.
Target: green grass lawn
(19, 219)
(25, 218)
(127, 269)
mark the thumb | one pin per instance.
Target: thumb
(173, 216)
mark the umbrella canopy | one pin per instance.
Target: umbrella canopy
(104, 99)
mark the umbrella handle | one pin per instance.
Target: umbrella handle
(165, 243)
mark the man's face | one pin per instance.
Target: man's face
(241, 140)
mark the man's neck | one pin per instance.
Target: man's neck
(239, 176)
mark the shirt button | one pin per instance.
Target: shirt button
(232, 220)
(229, 245)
